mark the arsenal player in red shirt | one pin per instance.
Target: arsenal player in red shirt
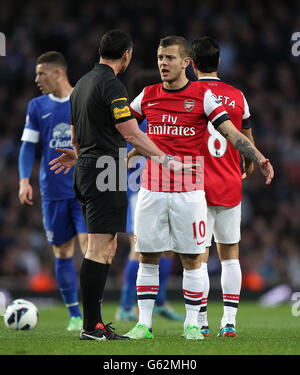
(171, 208)
(223, 185)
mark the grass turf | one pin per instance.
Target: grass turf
(261, 331)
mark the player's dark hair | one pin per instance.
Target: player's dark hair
(205, 52)
(178, 41)
(114, 43)
(52, 57)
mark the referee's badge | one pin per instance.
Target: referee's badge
(120, 112)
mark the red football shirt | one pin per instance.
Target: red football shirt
(177, 120)
(223, 177)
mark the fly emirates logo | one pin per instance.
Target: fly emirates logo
(169, 127)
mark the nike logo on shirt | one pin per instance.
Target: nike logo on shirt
(151, 104)
(46, 115)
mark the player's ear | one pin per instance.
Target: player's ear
(126, 56)
(58, 71)
(186, 62)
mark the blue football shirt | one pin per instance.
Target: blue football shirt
(48, 121)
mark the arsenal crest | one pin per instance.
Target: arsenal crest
(189, 104)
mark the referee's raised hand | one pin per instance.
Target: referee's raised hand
(64, 162)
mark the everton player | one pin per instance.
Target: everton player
(223, 184)
(171, 209)
(48, 121)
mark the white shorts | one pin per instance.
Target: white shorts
(224, 223)
(170, 221)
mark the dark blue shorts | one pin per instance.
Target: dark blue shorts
(63, 220)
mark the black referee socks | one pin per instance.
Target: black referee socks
(92, 281)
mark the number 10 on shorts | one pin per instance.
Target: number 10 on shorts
(199, 231)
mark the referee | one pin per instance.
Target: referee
(101, 124)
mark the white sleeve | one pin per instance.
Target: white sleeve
(213, 108)
(31, 131)
(136, 105)
(30, 135)
(246, 113)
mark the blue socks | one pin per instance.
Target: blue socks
(66, 278)
(165, 265)
(128, 293)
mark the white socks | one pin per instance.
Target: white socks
(231, 281)
(202, 317)
(147, 285)
(192, 285)
(195, 286)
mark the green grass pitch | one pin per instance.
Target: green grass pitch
(261, 331)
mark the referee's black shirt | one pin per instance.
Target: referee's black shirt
(99, 101)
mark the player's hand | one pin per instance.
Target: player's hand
(132, 158)
(25, 192)
(266, 169)
(132, 161)
(177, 166)
(64, 162)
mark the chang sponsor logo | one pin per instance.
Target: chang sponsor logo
(61, 136)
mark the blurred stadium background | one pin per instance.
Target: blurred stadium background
(256, 56)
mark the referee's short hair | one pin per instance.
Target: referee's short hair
(114, 43)
(205, 52)
(52, 57)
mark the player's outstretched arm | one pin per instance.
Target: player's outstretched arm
(244, 145)
(145, 147)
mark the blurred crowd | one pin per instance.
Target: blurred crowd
(255, 41)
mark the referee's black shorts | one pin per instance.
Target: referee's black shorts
(104, 212)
